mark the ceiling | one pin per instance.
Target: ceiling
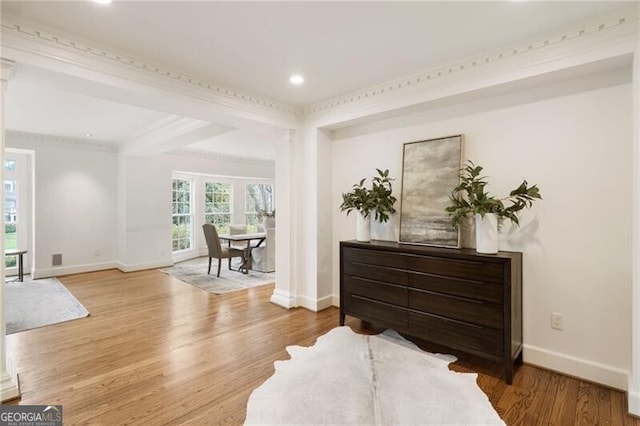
(339, 47)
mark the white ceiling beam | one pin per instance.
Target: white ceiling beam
(171, 133)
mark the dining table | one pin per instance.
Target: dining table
(246, 259)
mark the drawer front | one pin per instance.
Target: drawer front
(390, 293)
(457, 335)
(375, 312)
(374, 257)
(473, 289)
(468, 310)
(374, 272)
(470, 269)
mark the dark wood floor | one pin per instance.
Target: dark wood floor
(157, 351)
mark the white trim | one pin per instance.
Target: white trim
(335, 300)
(37, 273)
(221, 157)
(315, 305)
(9, 387)
(283, 299)
(606, 29)
(33, 38)
(76, 143)
(155, 264)
(189, 254)
(634, 382)
(577, 367)
(633, 401)
(6, 69)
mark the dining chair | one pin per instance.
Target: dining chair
(216, 250)
(235, 230)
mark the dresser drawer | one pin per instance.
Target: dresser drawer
(457, 334)
(374, 257)
(463, 309)
(375, 272)
(375, 311)
(372, 289)
(470, 269)
(490, 291)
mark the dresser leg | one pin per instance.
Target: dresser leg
(509, 373)
(341, 318)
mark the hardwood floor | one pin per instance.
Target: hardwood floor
(157, 351)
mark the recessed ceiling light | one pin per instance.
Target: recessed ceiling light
(88, 135)
(296, 79)
(102, 1)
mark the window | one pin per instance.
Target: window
(182, 215)
(259, 197)
(217, 205)
(10, 165)
(11, 220)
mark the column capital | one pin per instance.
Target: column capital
(287, 136)
(6, 66)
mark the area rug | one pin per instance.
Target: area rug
(348, 378)
(194, 272)
(36, 303)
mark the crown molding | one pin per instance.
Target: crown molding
(159, 125)
(36, 39)
(616, 27)
(436, 82)
(61, 141)
(221, 157)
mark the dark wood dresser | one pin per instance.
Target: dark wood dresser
(452, 297)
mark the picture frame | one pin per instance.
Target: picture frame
(430, 170)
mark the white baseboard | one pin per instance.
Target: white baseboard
(132, 267)
(9, 387)
(190, 254)
(58, 271)
(314, 305)
(283, 299)
(633, 397)
(577, 367)
(335, 301)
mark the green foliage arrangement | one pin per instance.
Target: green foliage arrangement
(471, 197)
(378, 198)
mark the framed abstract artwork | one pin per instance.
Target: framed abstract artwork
(430, 170)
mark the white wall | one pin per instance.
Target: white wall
(102, 210)
(573, 139)
(147, 208)
(75, 206)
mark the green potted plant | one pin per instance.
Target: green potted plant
(471, 198)
(377, 200)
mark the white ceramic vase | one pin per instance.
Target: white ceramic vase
(363, 227)
(487, 233)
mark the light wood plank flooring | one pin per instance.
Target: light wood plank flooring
(157, 351)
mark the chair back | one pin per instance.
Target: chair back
(213, 241)
(237, 229)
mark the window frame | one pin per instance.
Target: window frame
(250, 214)
(188, 218)
(224, 229)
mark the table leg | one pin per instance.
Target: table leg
(20, 269)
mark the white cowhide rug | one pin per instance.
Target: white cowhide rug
(349, 378)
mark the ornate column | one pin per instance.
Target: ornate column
(286, 223)
(8, 380)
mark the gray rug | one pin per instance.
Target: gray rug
(194, 272)
(36, 303)
(352, 379)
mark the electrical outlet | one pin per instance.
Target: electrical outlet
(557, 321)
